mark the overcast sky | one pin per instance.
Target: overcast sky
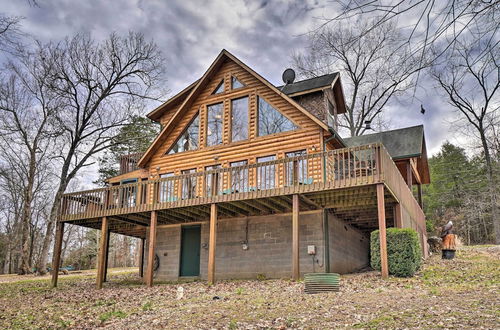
(261, 33)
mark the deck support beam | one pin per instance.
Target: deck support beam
(141, 257)
(382, 230)
(56, 258)
(326, 239)
(106, 258)
(211, 244)
(295, 237)
(103, 250)
(151, 250)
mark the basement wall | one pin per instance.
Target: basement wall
(269, 253)
(349, 248)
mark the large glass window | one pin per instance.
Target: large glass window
(189, 184)
(235, 83)
(188, 139)
(296, 170)
(167, 189)
(266, 173)
(213, 180)
(271, 120)
(239, 119)
(215, 124)
(239, 177)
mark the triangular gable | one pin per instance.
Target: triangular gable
(224, 54)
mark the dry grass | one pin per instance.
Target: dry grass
(461, 293)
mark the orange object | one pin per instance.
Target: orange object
(449, 242)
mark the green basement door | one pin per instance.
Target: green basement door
(190, 251)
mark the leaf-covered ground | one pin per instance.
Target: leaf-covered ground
(461, 293)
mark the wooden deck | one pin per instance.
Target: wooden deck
(343, 180)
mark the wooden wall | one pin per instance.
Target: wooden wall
(308, 136)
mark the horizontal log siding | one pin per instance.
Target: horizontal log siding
(277, 144)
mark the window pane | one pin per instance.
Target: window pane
(296, 171)
(271, 120)
(266, 173)
(214, 127)
(239, 177)
(167, 192)
(239, 119)
(188, 139)
(189, 185)
(235, 83)
(220, 88)
(209, 181)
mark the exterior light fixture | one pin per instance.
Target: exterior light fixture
(368, 124)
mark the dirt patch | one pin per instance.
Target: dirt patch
(459, 293)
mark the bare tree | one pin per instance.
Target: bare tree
(26, 113)
(100, 85)
(10, 33)
(374, 65)
(469, 77)
(426, 22)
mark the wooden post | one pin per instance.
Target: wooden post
(102, 252)
(141, 257)
(419, 196)
(382, 230)
(398, 216)
(106, 257)
(151, 250)
(56, 258)
(326, 239)
(211, 243)
(295, 237)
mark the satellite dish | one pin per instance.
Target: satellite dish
(288, 76)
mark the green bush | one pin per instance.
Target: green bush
(403, 251)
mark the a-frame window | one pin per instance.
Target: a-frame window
(235, 83)
(271, 120)
(220, 88)
(188, 139)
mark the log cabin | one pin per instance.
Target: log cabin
(248, 179)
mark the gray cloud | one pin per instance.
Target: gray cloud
(191, 33)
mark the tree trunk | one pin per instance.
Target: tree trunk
(26, 215)
(49, 232)
(492, 187)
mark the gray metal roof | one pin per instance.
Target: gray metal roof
(308, 84)
(400, 143)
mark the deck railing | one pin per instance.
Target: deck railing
(393, 179)
(338, 168)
